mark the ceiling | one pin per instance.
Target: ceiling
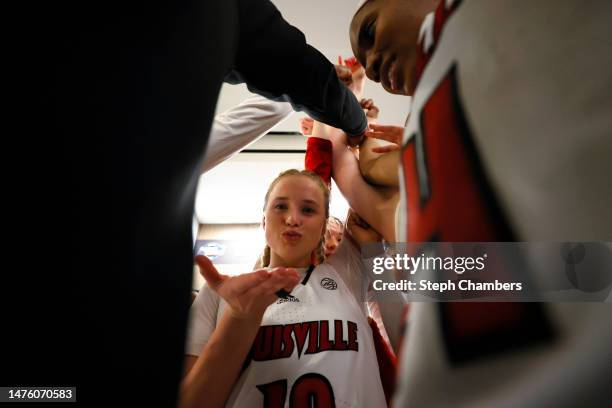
(233, 192)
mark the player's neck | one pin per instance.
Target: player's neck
(276, 261)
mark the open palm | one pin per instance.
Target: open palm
(248, 294)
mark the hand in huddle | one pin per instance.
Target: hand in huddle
(306, 125)
(391, 134)
(344, 75)
(353, 69)
(370, 109)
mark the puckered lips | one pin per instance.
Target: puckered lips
(291, 236)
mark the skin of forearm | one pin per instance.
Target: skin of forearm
(320, 130)
(210, 381)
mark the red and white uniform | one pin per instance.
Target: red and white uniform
(508, 140)
(314, 346)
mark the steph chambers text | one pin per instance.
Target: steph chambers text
(464, 284)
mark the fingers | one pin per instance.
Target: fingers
(389, 133)
(358, 69)
(390, 129)
(279, 278)
(383, 128)
(372, 113)
(286, 278)
(239, 284)
(370, 109)
(247, 281)
(366, 103)
(386, 149)
(344, 74)
(209, 272)
(306, 125)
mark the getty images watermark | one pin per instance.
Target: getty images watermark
(491, 271)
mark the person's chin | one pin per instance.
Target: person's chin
(398, 91)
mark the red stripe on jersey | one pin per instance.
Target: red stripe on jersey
(442, 13)
(387, 362)
(448, 196)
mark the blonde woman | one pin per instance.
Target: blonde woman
(247, 348)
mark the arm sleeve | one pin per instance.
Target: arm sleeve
(318, 158)
(202, 320)
(274, 60)
(240, 126)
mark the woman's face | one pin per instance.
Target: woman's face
(384, 35)
(294, 221)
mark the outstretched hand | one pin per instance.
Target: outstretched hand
(391, 134)
(249, 294)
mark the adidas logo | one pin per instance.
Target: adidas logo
(289, 298)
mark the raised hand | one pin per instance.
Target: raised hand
(357, 73)
(306, 125)
(344, 74)
(249, 294)
(370, 109)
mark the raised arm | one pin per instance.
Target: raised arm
(272, 55)
(375, 205)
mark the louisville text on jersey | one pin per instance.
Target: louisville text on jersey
(279, 341)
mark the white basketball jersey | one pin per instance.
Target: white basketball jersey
(313, 349)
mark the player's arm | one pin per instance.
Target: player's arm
(212, 375)
(370, 203)
(237, 127)
(274, 60)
